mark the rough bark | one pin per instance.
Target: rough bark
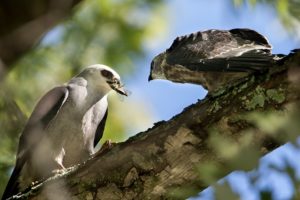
(24, 23)
(152, 163)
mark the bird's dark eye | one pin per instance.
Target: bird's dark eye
(116, 81)
(107, 74)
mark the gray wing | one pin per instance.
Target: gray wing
(236, 50)
(43, 113)
(100, 129)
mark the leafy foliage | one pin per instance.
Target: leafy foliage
(288, 10)
(112, 32)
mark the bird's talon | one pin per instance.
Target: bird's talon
(107, 145)
(59, 171)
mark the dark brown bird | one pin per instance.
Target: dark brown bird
(213, 58)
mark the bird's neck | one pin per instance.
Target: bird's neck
(92, 98)
(84, 96)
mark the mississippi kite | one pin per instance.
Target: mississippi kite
(65, 126)
(204, 57)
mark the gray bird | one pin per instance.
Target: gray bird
(64, 127)
(213, 58)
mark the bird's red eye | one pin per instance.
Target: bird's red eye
(107, 74)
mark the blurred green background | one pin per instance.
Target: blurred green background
(117, 33)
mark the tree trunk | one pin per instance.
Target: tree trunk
(24, 23)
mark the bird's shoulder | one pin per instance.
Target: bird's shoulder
(200, 46)
(44, 111)
(249, 35)
(48, 105)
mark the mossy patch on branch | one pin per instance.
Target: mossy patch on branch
(276, 95)
(215, 106)
(260, 96)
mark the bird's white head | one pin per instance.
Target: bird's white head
(104, 78)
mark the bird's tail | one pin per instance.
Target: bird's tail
(249, 62)
(254, 62)
(12, 186)
(257, 62)
(281, 59)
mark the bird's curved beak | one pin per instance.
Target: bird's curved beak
(150, 78)
(118, 87)
(121, 90)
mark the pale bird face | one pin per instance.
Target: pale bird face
(104, 78)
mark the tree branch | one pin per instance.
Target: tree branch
(24, 23)
(152, 163)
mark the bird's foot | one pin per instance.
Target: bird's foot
(34, 183)
(107, 145)
(58, 171)
(61, 169)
